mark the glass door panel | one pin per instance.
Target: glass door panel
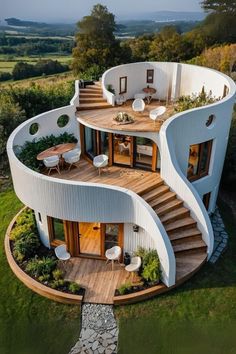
(90, 142)
(122, 149)
(90, 238)
(58, 229)
(111, 235)
(143, 149)
(104, 143)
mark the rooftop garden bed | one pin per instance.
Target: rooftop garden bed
(35, 259)
(195, 100)
(123, 118)
(28, 152)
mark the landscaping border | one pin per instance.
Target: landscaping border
(32, 284)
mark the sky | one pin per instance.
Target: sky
(73, 10)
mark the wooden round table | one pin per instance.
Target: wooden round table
(150, 91)
(56, 150)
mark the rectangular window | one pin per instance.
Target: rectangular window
(40, 218)
(56, 230)
(199, 160)
(123, 84)
(150, 76)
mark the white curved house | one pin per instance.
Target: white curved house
(157, 191)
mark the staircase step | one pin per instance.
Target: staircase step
(90, 95)
(190, 238)
(83, 100)
(174, 215)
(154, 193)
(187, 265)
(190, 245)
(91, 106)
(91, 90)
(180, 225)
(141, 189)
(169, 206)
(184, 234)
(157, 202)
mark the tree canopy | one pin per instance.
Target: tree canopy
(219, 6)
(95, 41)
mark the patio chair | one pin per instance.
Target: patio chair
(51, 163)
(124, 148)
(62, 254)
(134, 265)
(100, 162)
(113, 254)
(138, 105)
(71, 157)
(157, 112)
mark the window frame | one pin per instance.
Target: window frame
(150, 76)
(201, 174)
(123, 78)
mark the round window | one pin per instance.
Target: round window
(63, 121)
(33, 129)
(210, 120)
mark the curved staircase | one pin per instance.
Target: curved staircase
(189, 248)
(91, 98)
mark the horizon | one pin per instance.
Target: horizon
(62, 13)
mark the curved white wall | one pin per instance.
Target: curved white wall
(71, 200)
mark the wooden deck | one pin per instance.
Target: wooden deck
(97, 278)
(103, 118)
(134, 179)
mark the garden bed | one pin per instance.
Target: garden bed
(39, 271)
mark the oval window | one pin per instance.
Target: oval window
(210, 120)
(63, 121)
(33, 129)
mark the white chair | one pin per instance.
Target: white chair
(113, 254)
(71, 157)
(51, 163)
(134, 265)
(157, 112)
(100, 162)
(62, 254)
(138, 105)
(124, 148)
(140, 95)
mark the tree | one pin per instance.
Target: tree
(220, 23)
(219, 6)
(95, 41)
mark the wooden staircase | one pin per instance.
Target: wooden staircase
(91, 98)
(189, 248)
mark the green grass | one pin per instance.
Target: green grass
(198, 317)
(29, 323)
(7, 62)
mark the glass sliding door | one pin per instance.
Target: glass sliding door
(104, 143)
(90, 143)
(122, 146)
(143, 150)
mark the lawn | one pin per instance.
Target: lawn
(7, 62)
(199, 317)
(29, 323)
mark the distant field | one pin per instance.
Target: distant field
(7, 62)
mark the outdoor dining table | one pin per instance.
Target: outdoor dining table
(150, 91)
(56, 150)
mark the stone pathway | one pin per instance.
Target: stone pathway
(99, 332)
(221, 236)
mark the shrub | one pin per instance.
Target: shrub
(26, 246)
(151, 271)
(58, 284)
(124, 288)
(25, 224)
(4, 76)
(37, 267)
(31, 149)
(74, 287)
(187, 102)
(57, 274)
(44, 278)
